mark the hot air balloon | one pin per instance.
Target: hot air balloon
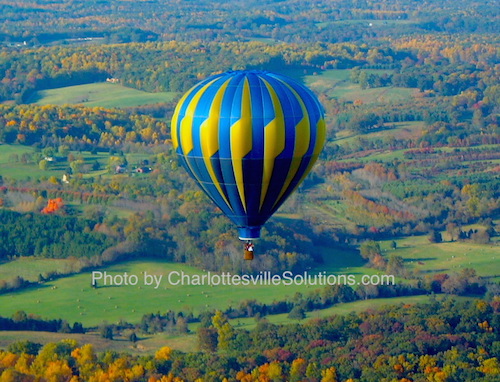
(248, 138)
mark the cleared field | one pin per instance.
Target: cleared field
(6, 151)
(398, 130)
(29, 268)
(102, 94)
(379, 155)
(12, 167)
(327, 80)
(426, 257)
(336, 83)
(74, 299)
(353, 92)
(330, 212)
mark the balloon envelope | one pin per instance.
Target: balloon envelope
(248, 138)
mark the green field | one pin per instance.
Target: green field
(147, 344)
(330, 213)
(6, 151)
(102, 94)
(80, 302)
(335, 83)
(327, 79)
(353, 92)
(29, 268)
(424, 257)
(398, 130)
(9, 168)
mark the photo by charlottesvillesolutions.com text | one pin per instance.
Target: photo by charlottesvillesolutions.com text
(264, 278)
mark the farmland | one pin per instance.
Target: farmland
(336, 83)
(425, 257)
(80, 302)
(101, 94)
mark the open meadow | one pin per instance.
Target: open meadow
(101, 94)
(424, 257)
(13, 166)
(336, 83)
(75, 296)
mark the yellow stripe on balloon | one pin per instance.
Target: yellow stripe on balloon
(274, 141)
(302, 140)
(175, 117)
(209, 137)
(186, 130)
(318, 146)
(241, 141)
(320, 137)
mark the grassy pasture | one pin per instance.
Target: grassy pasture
(398, 130)
(336, 83)
(102, 94)
(353, 92)
(7, 150)
(73, 298)
(18, 170)
(29, 268)
(329, 212)
(327, 80)
(427, 257)
(79, 302)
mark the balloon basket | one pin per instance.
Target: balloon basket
(248, 255)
